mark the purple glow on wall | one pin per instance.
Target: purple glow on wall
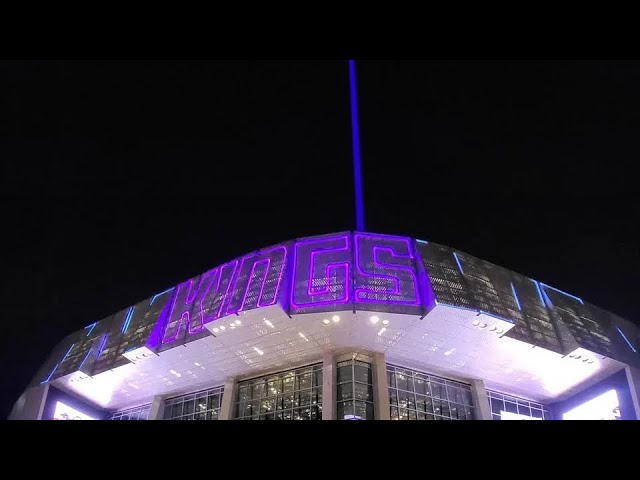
(319, 253)
(155, 337)
(427, 294)
(183, 300)
(274, 260)
(214, 301)
(400, 249)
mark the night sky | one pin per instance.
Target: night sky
(120, 179)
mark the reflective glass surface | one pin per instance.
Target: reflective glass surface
(417, 396)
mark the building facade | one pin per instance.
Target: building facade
(347, 326)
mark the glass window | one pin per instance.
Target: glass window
(289, 395)
(345, 372)
(203, 405)
(362, 372)
(355, 391)
(513, 405)
(434, 398)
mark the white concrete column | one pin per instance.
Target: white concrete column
(381, 410)
(156, 412)
(329, 388)
(30, 405)
(228, 399)
(480, 401)
(633, 377)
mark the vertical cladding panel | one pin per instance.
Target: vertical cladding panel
(258, 281)
(321, 274)
(490, 294)
(449, 285)
(48, 371)
(185, 315)
(78, 355)
(337, 272)
(624, 335)
(142, 320)
(107, 356)
(488, 287)
(580, 321)
(246, 283)
(385, 274)
(535, 324)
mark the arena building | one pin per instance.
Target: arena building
(347, 326)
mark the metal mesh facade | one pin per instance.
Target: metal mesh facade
(338, 272)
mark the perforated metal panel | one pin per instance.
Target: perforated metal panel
(340, 272)
(322, 274)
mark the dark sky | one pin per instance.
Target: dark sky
(120, 179)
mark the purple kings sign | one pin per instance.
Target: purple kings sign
(327, 273)
(338, 272)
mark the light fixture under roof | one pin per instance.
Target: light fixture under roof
(374, 319)
(268, 323)
(382, 330)
(216, 329)
(237, 322)
(260, 352)
(196, 364)
(303, 336)
(335, 319)
(222, 327)
(326, 321)
(385, 322)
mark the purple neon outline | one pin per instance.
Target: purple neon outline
(127, 320)
(187, 301)
(223, 298)
(93, 325)
(427, 295)
(59, 363)
(539, 292)
(192, 331)
(458, 262)
(157, 332)
(85, 359)
(310, 276)
(264, 278)
(626, 340)
(544, 285)
(161, 293)
(395, 280)
(102, 344)
(49, 377)
(515, 296)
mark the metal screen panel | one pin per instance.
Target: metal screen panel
(385, 274)
(321, 274)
